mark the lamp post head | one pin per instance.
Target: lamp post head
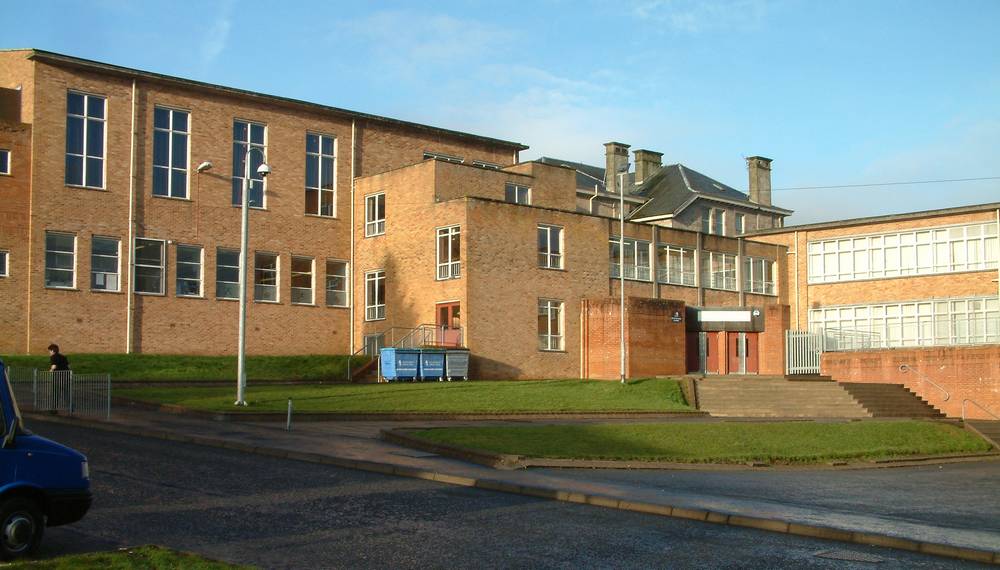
(204, 166)
(263, 170)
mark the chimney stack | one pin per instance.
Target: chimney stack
(615, 159)
(647, 162)
(760, 180)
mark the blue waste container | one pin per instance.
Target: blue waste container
(456, 363)
(400, 363)
(431, 364)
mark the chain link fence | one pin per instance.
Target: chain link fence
(61, 391)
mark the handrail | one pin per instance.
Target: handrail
(405, 340)
(978, 405)
(904, 368)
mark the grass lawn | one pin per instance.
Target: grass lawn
(142, 558)
(194, 368)
(730, 442)
(473, 397)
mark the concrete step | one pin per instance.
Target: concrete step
(890, 400)
(776, 397)
(989, 430)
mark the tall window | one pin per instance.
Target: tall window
(227, 273)
(375, 214)
(336, 283)
(448, 246)
(170, 152)
(375, 295)
(302, 280)
(636, 259)
(265, 277)
(718, 270)
(675, 265)
(60, 260)
(517, 194)
(739, 223)
(4, 264)
(189, 271)
(550, 324)
(85, 116)
(321, 184)
(104, 265)
(4, 161)
(247, 135)
(550, 247)
(714, 222)
(758, 276)
(149, 266)
(920, 252)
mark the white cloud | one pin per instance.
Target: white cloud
(697, 16)
(217, 37)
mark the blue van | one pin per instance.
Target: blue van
(42, 483)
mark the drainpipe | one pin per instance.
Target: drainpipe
(131, 229)
(354, 141)
(591, 205)
(797, 325)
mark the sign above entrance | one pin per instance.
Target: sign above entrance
(724, 316)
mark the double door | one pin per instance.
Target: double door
(449, 324)
(727, 352)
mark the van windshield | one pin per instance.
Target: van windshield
(9, 396)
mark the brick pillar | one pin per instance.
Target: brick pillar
(777, 320)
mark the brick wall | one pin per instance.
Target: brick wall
(965, 372)
(772, 340)
(655, 344)
(14, 231)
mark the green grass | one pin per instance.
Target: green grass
(163, 367)
(731, 442)
(142, 558)
(456, 397)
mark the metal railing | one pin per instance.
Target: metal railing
(978, 405)
(405, 337)
(62, 391)
(904, 368)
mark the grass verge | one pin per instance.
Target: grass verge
(730, 442)
(652, 395)
(141, 558)
(163, 367)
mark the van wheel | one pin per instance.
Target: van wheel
(21, 528)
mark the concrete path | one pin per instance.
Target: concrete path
(947, 509)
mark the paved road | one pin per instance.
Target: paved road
(287, 514)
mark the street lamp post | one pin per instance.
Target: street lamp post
(621, 266)
(241, 372)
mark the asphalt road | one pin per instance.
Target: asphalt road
(276, 513)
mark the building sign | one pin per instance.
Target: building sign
(676, 317)
(724, 316)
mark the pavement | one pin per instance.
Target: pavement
(947, 510)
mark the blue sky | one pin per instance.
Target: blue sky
(835, 92)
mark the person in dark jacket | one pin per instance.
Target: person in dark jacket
(57, 360)
(59, 370)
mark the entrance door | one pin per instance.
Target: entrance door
(752, 342)
(449, 324)
(712, 359)
(743, 351)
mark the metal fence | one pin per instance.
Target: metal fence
(62, 391)
(802, 352)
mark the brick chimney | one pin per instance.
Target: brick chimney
(760, 180)
(615, 159)
(647, 162)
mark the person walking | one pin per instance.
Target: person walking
(60, 374)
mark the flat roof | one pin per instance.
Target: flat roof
(80, 63)
(878, 219)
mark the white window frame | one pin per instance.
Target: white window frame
(634, 271)
(161, 268)
(722, 279)
(172, 132)
(86, 118)
(239, 167)
(758, 276)
(319, 156)
(200, 265)
(346, 280)
(445, 157)
(547, 340)
(4, 263)
(72, 268)
(521, 194)
(260, 285)
(374, 226)
(118, 269)
(219, 267)
(5, 169)
(375, 311)
(666, 270)
(298, 291)
(449, 258)
(740, 221)
(924, 251)
(547, 259)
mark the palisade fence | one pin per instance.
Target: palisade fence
(802, 352)
(61, 391)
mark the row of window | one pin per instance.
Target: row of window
(917, 252)
(923, 323)
(150, 270)
(714, 222)
(676, 266)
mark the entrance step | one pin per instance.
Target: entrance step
(890, 401)
(988, 429)
(776, 397)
